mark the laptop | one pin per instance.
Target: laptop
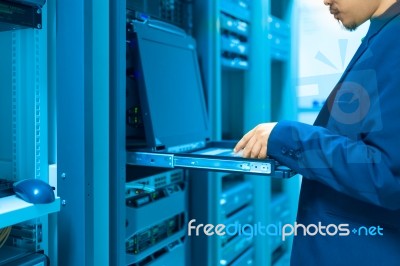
(173, 107)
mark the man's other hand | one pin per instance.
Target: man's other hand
(254, 143)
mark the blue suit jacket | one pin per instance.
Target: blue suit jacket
(350, 158)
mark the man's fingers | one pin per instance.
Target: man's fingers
(254, 143)
(249, 147)
(255, 151)
(263, 153)
(243, 142)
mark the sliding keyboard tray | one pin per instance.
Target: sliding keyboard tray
(209, 160)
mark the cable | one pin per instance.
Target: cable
(4, 234)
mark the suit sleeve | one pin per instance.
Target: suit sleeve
(367, 169)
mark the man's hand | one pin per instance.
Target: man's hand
(254, 142)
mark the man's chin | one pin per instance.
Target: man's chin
(349, 27)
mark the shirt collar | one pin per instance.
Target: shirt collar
(377, 23)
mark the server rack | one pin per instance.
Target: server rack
(24, 35)
(236, 103)
(234, 67)
(157, 203)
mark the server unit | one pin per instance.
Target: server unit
(177, 12)
(234, 16)
(237, 210)
(12, 256)
(18, 14)
(156, 217)
(280, 214)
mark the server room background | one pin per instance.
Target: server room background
(112, 103)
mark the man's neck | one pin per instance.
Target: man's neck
(383, 6)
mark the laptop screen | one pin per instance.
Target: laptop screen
(172, 95)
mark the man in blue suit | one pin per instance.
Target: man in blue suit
(350, 157)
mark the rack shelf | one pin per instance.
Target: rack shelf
(14, 210)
